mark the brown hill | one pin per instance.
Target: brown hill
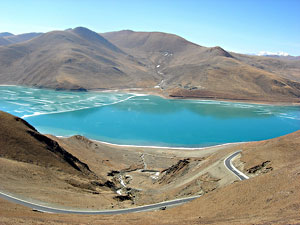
(72, 59)
(34, 166)
(281, 67)
(9, 38)
(148, 41)
(3, 41)
(189, 70)
(22, 142)
(22, 37)
(5, 34)
(271, 197)
(157, 62)
(288, 57)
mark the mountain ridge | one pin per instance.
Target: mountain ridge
(4, 34)
(156, 62)
(7, 38)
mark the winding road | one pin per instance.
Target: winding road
(160, 205)
(228, 164)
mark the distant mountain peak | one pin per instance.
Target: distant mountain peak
(85, 32)
(218, 51)
(5, 34)
(278, 55)
(92, 36)
(82, 29)
(128, 31)
(265, 53)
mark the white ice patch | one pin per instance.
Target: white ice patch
(80, 104)
(34, 114)
(155, 176)
(139, 94)
(10, 92)
(35, 102)
(17, 103)
(122, 181)
(67, 96)
(167, 54)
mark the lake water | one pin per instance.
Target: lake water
(124, 118)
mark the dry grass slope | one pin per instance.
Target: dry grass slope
(272, 197)
(22, 142)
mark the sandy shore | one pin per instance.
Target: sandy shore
(160, 147)
(161, 94)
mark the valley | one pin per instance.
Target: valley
(114, 176)
(125, 121)
(77, 173)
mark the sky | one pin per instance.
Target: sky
(244, 26)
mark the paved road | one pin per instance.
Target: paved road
(230, 166)
(161, 205)
(47, 209)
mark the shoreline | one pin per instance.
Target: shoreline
(253, 102)
(154, 92)
(156, 147)
(166, 147)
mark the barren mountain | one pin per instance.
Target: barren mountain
(289, 57)
(22, 142)
(7, 38)
(72, 59)
(3, 41)
(156, 62)
(5, 34)
(190, 70)
(278, 55)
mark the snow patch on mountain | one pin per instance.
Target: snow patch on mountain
(264, 53)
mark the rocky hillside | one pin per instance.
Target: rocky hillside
(272, 197)
(23, 143)
(35, 162)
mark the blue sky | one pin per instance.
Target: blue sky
(237, 25)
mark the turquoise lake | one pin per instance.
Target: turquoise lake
(133, 119)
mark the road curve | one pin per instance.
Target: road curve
(228, 164)
(160, 205)
(47, 209)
